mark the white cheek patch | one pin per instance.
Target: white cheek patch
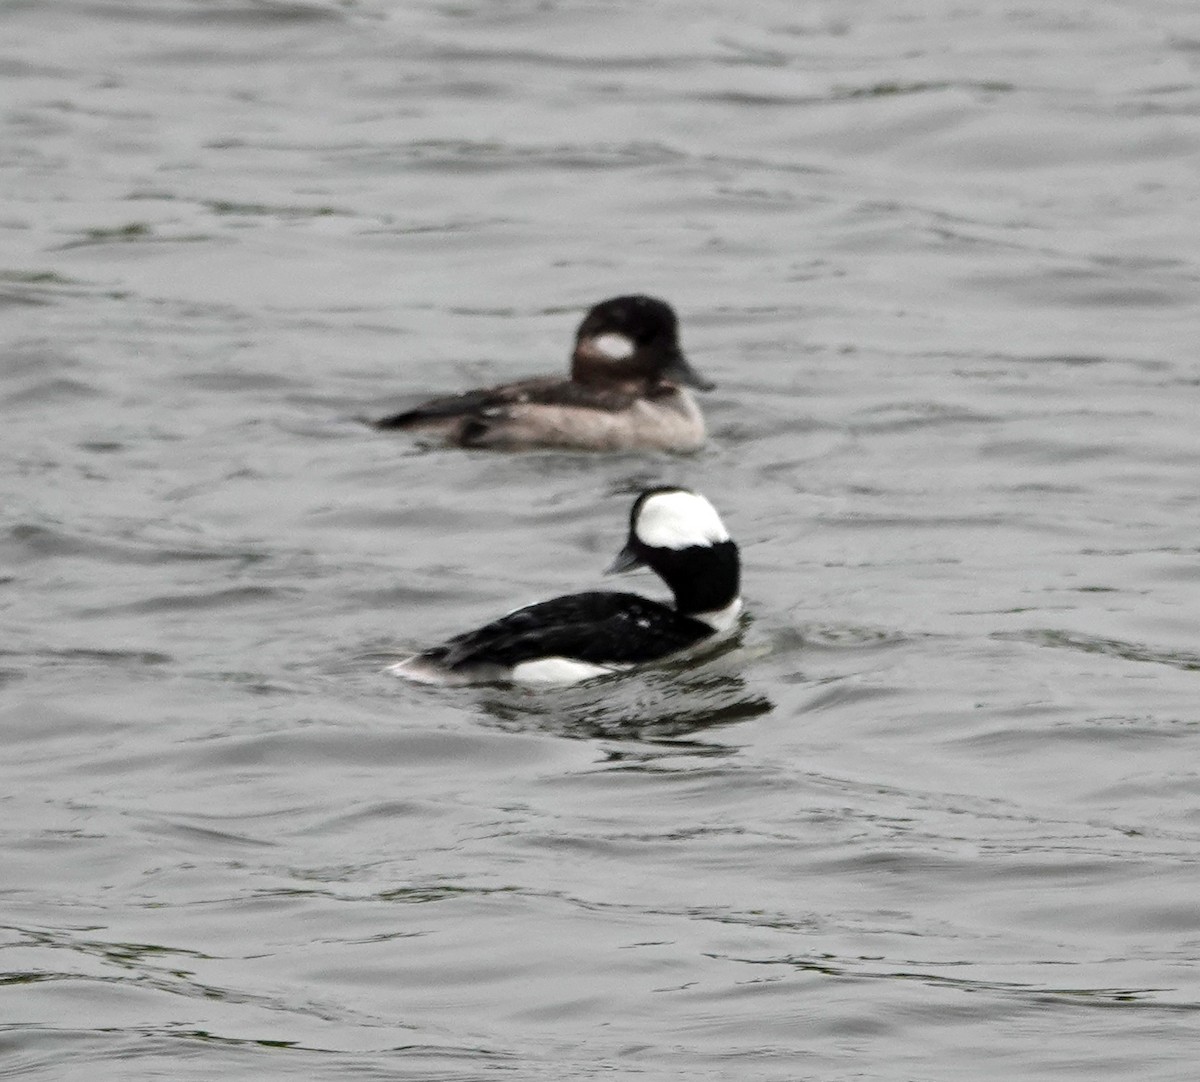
(616, 347)
(678, 520)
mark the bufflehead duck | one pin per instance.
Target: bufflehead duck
(625, 393)
(674, 532)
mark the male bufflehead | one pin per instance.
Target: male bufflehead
(625, 393)
(674, 532)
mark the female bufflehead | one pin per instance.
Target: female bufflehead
(625, 393)
(675, 533)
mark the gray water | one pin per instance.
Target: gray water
(935, 817)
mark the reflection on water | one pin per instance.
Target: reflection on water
(651, 708)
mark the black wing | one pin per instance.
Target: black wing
(598, 627)
(495, 400)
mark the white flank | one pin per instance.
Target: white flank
(556, 670)
(616, 347)
(678, 520)
(546, 670)
(721, 620)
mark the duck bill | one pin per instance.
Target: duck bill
(627, 560)
(680, 371)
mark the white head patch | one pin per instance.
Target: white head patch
(678, 520)
(614, 346)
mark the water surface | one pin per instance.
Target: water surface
(936, 817)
